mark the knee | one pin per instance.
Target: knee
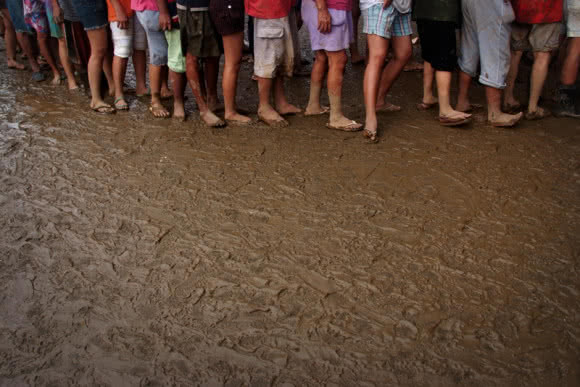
(339, 61)
(377, 57)
(99, 52)
(122, 50)
(405, 54)
(321, 59)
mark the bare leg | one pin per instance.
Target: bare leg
(66, 64)
(378, 48)
(119, 72)
(571, 63)
(428, 75)
(212, 69)
(155, 80)
(10, 41)
(403, 49)
(539, 74)
(108, 70)
(193, 76)
(443, 91)
(98, 41)
(44, 46)
(283, 107)
(233, 45)
(337, 62)
(494, 114)
(317, 76)
(140, 65)
(165, 92)
(26, 45)
(266, 112)
(510, 102)
(463, 97)
(355, 56)
(178, 83)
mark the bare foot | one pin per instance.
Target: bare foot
(388, 107)
(454, 114)
(13, 64)
(237, 118)
(56, 80)
(503, 120)
(179, 111)
(158, 110)
(212, 120)
(72, 84)
(344, 124)
(272, 118)
(287, 109)
(316, 110)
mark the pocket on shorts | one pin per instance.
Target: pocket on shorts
(270, 32)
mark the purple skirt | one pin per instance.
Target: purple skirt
(341, 34)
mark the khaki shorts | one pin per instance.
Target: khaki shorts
(274, 49)
(536, 37)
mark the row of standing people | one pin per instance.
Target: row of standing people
(187, 37)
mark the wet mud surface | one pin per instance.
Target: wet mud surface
(142, 252)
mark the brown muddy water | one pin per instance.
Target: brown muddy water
(142, 252)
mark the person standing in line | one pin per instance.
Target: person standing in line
(57, 32)
(169, 23)
(329, 24)
(436, 23)
(202, 47)
(485, 39)
(23, 35)
(537, 28)
(228, 17)
(9, 38)
(569, 100)
(129, 38)
(382, 20)
(147, 13)
(274, 57)
(93, 16)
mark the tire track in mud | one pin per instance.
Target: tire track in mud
(139, 253)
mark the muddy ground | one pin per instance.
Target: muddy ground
(135, 251)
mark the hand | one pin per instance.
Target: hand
(164, 21)
(387, 3)
(57, 15)
(122, 20)
(324, 21)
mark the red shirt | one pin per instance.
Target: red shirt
(538, 11)
(268, 9)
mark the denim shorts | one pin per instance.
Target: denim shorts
(16, 10)
(93, 13)
(155, 37)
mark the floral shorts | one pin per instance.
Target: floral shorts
(35, 16)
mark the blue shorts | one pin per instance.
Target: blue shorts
(16, 10)
(386, 22)
(92, 13)
(155, 37)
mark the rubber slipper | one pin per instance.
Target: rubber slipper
(104, 109)
(159, 111)
(122, 106)
(450, 121)
(38, 76)
(353, 126)
(426, 106)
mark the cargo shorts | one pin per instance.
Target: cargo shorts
(274, 51)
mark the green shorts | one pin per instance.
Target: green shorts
(55, 30)
(175, 58)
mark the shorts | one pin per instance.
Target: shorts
(35, 16)
(199, 37)
(485, 40)
(155, 37)
(175, 58)
(93, 14)
(227, 16)
(274, 49)
(55, 30)
(438, 44)
(68, 10)
(536, 37)
(341, 34)
(572, 12)
(386, 22)
(132, 38)
(16, 11)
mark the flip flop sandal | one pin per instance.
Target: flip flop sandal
(38, 76)
(157, 109)
(119, 106)
(426, 106)
(352, 127)
(448, 121)
(325, 110)
(104, 109)
(372, 136)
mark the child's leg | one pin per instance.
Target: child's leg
(378, 48)
(233, 45)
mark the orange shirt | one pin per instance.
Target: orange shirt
(126, 4)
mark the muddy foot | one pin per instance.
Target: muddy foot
(272, 118)
(212, 120)
(388, 107)
(344, 124)
(287, 109)
(503, 120)
(12, 64)
(238, 119)
(316, 110)
(56, 80)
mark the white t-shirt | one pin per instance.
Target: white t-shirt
(403, 6)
